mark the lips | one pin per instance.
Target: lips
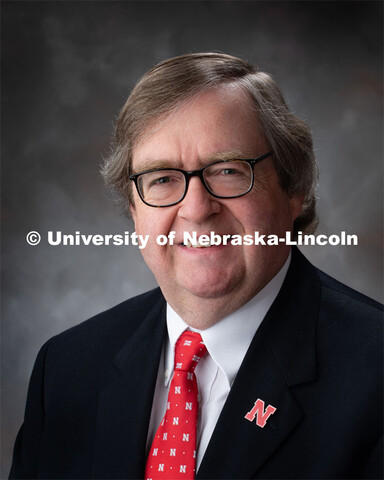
(204, 240)
(189, 244)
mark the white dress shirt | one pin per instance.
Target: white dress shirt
(227, 342)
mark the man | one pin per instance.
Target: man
(284, 375)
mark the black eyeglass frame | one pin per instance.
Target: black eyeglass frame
(199, 173)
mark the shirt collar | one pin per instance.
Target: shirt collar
(228, 340)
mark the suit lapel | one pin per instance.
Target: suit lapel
(239, 447)
(125, 404)
(281, 355)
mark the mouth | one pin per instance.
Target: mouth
(205, 241)
(189, 244)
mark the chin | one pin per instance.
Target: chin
(209, 289)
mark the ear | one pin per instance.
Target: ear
(296, 205)
(132, 209)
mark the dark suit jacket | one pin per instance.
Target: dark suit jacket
(316, 358)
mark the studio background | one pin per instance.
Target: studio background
(67, 68)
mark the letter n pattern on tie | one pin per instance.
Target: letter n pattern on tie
(173, 451)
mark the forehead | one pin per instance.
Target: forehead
(213, 124)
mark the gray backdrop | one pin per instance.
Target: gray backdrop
(67, 69)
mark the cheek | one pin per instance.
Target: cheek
(153, 253)
(156, 223)
(268, 215)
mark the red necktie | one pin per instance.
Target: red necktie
(173, 452)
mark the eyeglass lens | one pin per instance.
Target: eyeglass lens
(224, 179)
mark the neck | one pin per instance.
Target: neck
(201, 313)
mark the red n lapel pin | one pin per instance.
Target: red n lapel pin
(260, 414)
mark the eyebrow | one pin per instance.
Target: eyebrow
(153, 165)
(236, 153)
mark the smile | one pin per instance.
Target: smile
(193, 240)
(197, 244)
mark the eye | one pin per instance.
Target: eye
(229, 171)
(162, 179)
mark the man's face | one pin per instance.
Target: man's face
(218, 124)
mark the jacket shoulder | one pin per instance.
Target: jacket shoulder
(350, 325)
(347, 296)
(114, 325)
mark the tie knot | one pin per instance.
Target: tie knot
(189, 350)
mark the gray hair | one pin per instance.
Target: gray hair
(163, 88)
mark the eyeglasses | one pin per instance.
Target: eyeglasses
(163, 187)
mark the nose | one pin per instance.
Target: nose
(198, 204)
